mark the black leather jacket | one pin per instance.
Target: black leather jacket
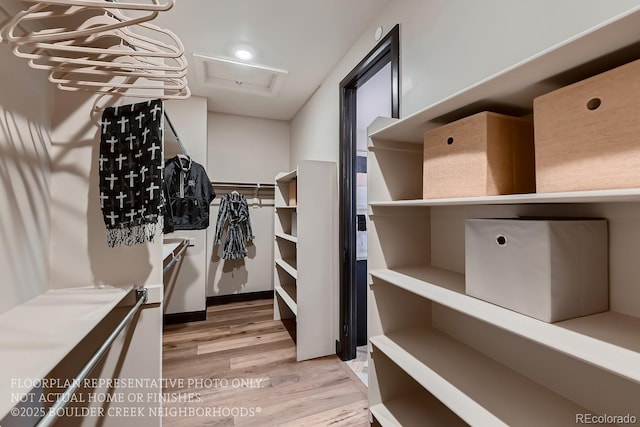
(188, 194)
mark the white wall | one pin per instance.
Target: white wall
(185, 284)
(245, 149)
(24, 180)
(79, 252)
(445, 46)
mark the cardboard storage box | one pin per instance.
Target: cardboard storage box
(550, 269)
(485, 154)
(587, 135)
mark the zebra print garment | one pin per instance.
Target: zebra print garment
(233, 217)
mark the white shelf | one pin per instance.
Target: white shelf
(287, 299)
(517, 85)
(608, 340)
(40, 333)
(595, 196)
(415, 410)
(288, 265)
(478, 389)
(305, 272)
(287, 176)
(288, 237)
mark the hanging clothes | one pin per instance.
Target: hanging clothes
(130, 172)
(189, 193)
(234, 216)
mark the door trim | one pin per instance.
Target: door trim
(385, 52)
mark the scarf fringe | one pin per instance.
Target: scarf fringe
(130, 234)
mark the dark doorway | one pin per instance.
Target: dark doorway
(353, 297)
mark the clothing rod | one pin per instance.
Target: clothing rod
(243, 185)
(52, 414)
(176, 257)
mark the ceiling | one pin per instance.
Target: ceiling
(295, 44)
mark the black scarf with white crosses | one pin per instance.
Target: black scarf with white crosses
(131, 166)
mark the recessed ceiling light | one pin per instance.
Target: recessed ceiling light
(245, 55)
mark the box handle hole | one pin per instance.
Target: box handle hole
(501, 240)
(594, 103)
(450, 140)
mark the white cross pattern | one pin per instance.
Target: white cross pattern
(130, 140)
(130, 177)
(138, 154)
(104, 124)
(102, 199)
(131, 214)
(120, 159)
(113, 141)
(139, 118)
(153, 149)
(111, 180)
(122, 122)
(113, 217)
(143, 170)
(145, 132)
(155, 110)
(142, 210)
(121, 197)
(102, 160)
(151, 189)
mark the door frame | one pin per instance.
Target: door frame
(385, 52)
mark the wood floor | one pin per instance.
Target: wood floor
(238, 368)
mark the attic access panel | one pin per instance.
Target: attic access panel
(239, 76)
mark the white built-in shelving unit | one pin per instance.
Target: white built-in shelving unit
(441, 357)
(306, 262)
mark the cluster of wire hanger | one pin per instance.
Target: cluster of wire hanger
(106, 47)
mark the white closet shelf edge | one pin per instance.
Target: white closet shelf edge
(288, 237)
(577, 338)
(287, 299)
(38, 334)
(590, 196)
(287, 176)
(288, 265)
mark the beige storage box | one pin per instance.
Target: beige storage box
(548, 269)
(587, 135)
(486, 154)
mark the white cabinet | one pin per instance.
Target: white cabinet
(306, 260)
(437, 353)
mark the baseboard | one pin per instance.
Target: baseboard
(249, 296)
(192, 316)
